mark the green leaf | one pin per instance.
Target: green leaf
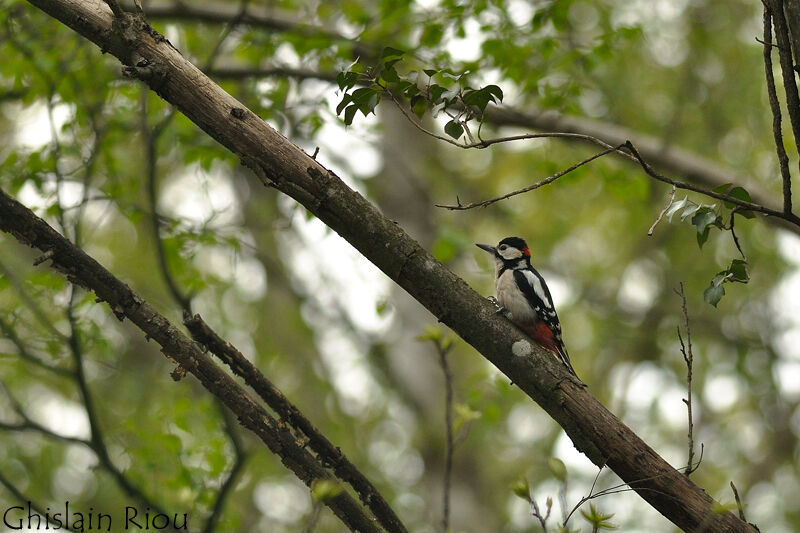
(495, 91)
(738, 270)
(715, 291)
(675, 207)
(702, 238)
(558, 468)
(431, 34)
(430, 72)
(436, 91)
(419, 105)
(390, 52)
(740, 194)
(722, 189)
(346, 99)
(366, 98)
(597, 519)
(704, 217)
(463, 413)
(689, 211)
(390, 74)
(349, 114)
(454, 129)
(431, 333)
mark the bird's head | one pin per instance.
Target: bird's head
(509, 249)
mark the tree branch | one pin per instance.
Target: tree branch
(280, 164)
(787, 67)
(775, 106)
(82, 270)
(289, 413)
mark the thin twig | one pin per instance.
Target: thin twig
(8, 332)
(585, 498)
(240, 458)
(537, 514)
(688, 358)
(34, 307)
(750, 206)
(662, 213)
(448, 420)
(733, 233)
(150, 140)
(738, 502)
(775, 106)
(546, 181)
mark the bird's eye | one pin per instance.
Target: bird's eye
(503, 246)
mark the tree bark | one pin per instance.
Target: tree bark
(593, 429)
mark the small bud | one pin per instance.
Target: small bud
(522, 489)
(558, 468)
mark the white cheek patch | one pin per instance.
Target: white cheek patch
(510, 253)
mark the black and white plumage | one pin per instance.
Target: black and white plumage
(524, 296)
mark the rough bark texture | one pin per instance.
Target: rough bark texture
(593, 429)
(84, 271)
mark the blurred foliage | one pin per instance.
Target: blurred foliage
(329, 329)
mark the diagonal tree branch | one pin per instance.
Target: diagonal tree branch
(288, 412)
(280, 164)
(83, 271)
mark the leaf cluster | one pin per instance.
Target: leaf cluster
(426, 91)
(705, 217)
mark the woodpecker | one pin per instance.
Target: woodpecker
(524, 297)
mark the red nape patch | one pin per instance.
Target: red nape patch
(527, 252)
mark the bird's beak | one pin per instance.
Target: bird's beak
(486, 247)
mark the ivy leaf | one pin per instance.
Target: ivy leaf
(436, 91)
(419, 105)
(390, 74)
(702, 238)
(454, 129)
(349, 114)
(495, 91)
(689, 211)
(740, 194)
(365, 99)
(675, 207)
(346, 79)
(715, 291)
(703, 220)
(346, 99)
(738, 271)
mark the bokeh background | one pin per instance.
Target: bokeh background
(169, 211)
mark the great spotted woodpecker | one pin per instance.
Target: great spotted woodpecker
(524, 297)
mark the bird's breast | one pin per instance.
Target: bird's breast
(513, 300)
